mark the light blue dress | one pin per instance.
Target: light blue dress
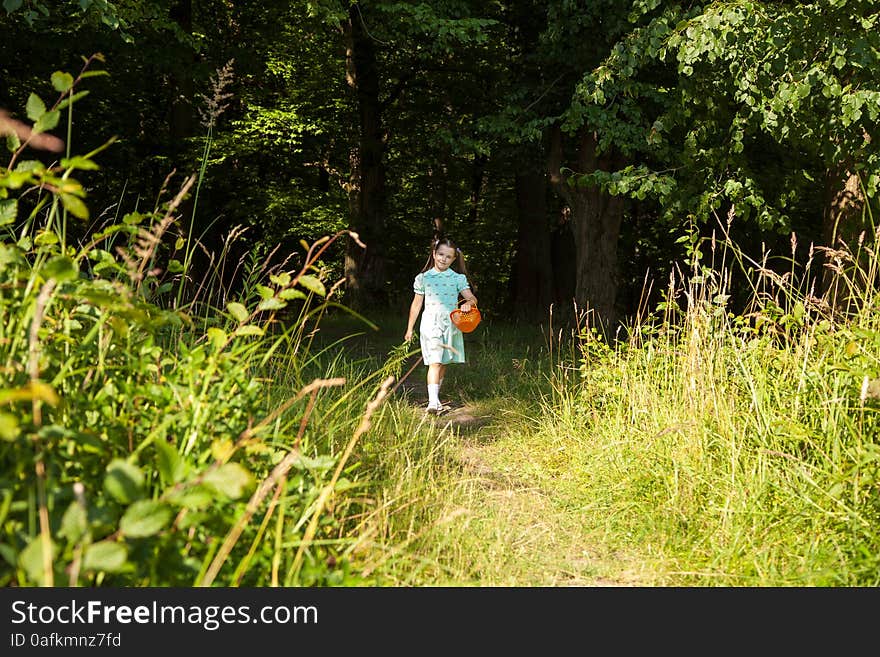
(440, 340)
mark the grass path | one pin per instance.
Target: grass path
(486, 482)
(519, 528)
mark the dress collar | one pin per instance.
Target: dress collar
(437, 272)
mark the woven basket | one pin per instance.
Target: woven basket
(466, 322)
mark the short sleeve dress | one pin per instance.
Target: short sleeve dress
(440, 340)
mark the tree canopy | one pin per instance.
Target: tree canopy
(568, 146)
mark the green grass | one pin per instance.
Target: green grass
(705, 451)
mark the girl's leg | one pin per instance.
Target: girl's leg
(435, 374)
(441, 374)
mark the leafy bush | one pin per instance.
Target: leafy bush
(138, 442)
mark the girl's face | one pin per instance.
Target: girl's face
(444, 256)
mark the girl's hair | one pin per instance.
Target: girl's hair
(458, 264)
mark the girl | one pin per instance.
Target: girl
(438, 287)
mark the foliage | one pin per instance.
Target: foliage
(745, 103)
(138, 441)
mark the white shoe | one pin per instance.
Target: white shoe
(437, 410)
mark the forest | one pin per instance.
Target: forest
(212, 213)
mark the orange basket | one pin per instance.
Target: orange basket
(466, 322)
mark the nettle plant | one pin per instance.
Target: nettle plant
(136, 445)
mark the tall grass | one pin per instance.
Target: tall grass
(736, 449)
(145, 442)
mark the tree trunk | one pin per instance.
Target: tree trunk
(533, 267)
(595, 223)
(182, 120)
(438, 179)
(181, 128)
(478, 177)
(352, 249)
(366, 268)
(841, 225)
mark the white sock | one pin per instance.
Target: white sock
(434, 395)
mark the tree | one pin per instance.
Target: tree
(595, 215)
(550, 47)
(390, 46)
(762, 107)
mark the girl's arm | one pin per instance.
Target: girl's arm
(414, 308)
(470, 300)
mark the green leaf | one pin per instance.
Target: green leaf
(321, 462)
(75, 206)
(107, 556)
(71, 99)
(74, 523)
(8, 211)
(11, 5)
(79, 162)
(145, 518)
(217, 337)
(62, 81)
(249, 329)
(271, 304)
(196, 497)
(175, 266)
(238, 311)
(35, 107)
(230, 479)
(13, 143)
(61, 268)
(46, 238)
(282, 280)
(7, 554)
(171, 467)
(31, 558)
(344, 484)
(124, 481)
(313, 284)
(9, 429)
(9, 255)
(30, 165)
(29, 392)
(15, 179)
(291, 293)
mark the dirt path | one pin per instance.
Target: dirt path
(530, 537)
